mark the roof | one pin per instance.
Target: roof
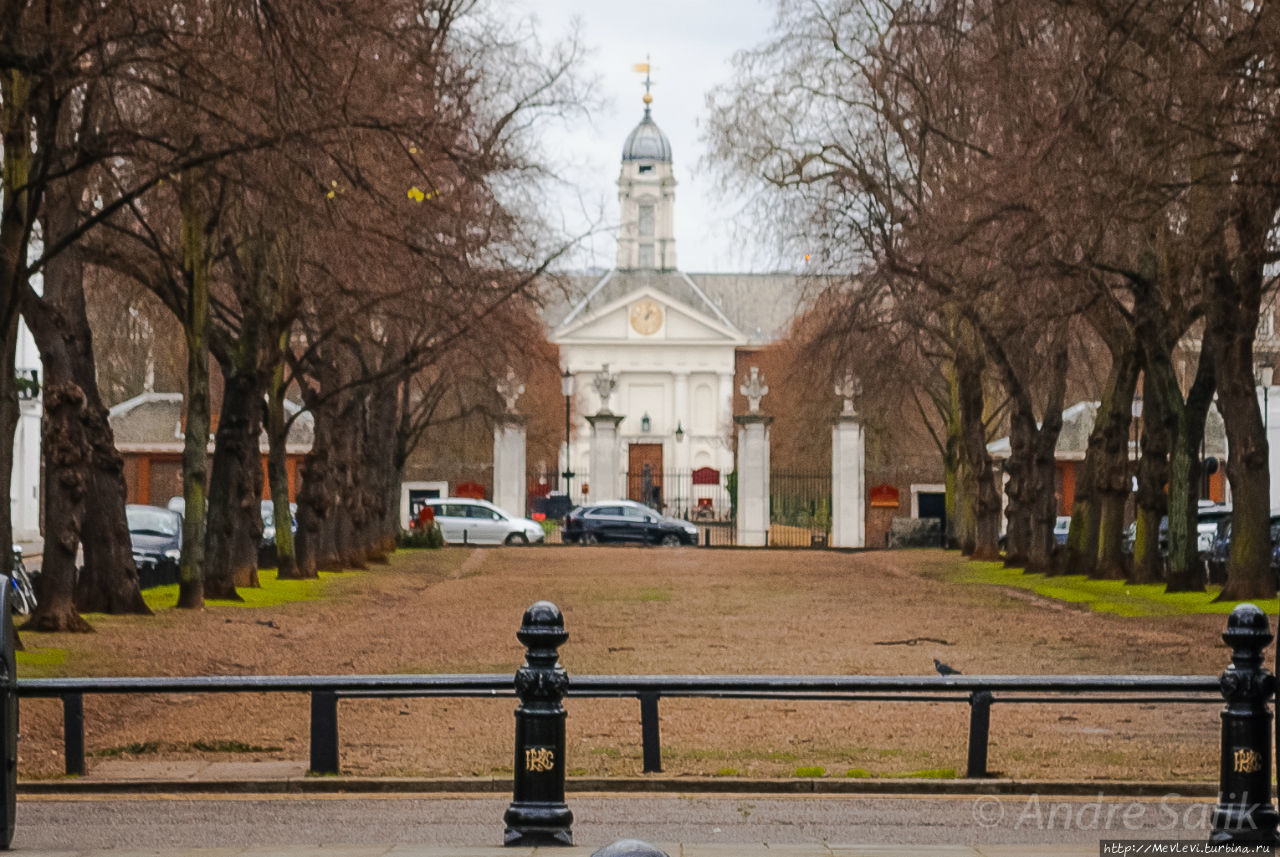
(646, 142)
(759, 306)
(152, 422)
(1077, 424)
(762, 306)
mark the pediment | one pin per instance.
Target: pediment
(680, 324)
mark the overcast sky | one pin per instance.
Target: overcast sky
(691, 43)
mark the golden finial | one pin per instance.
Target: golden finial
(645, 67)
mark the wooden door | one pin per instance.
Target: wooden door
(644, 474)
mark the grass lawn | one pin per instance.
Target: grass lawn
(665, 611)
(1106, 596)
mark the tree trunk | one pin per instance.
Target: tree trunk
(108, 580)
(384, 483)
(235, 490)
(1044, 446)
(65, 486)
(65, 453)
(349, 497)
(1112, 429)
(314, 509)
(1018, 490)
(1249, 573)
(1186, 570)
(1044, 506)
(1237, 284)
(1086, 512)
(986, 506)
(1032, 507)
(278, 468)
(1108, 450)
(954, 482)
(1151, 500)
(195, 448)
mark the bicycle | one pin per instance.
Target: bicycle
(22, 595)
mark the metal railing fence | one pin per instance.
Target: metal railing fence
(981, 693)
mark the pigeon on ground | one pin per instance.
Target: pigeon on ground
(944, 669)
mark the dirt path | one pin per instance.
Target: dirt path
(633, 610)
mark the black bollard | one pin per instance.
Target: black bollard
(538, 814)
(1244, 812)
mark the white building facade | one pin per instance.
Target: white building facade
(24, 486)
(668, 338)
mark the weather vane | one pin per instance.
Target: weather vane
(645, 67)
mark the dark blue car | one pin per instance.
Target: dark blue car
(156, 537)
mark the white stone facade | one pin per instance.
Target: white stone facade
(509, 489)
(848, 484)
(753, 480)
(24, 486)
(680, 377)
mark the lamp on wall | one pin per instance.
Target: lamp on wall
(679, 432)
(645, 423)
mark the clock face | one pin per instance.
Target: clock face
(646, 316)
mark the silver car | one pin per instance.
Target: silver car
(463, 521)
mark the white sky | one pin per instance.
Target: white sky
(691, 43)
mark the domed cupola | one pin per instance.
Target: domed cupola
(647, 142)
(646, 196)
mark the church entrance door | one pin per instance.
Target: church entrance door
(644, 474)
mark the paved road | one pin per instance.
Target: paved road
(170, 822)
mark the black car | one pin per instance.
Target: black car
(156, 536)
(625, 521)
(1220, 553)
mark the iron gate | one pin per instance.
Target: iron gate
(799, 509)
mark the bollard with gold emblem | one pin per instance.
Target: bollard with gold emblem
(1244, 812)
(538, 814)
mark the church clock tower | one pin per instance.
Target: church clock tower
(646, 197)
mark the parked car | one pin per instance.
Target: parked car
(1208, 519)
(625, 521)
(479, 522)
(156, 536)
(1061, 527)
(267, 548)
(1220, 552)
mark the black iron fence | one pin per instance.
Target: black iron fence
(648, 690)
(703, 496)
(1244, 811)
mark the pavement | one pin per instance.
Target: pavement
(696, 826)
(272, 809)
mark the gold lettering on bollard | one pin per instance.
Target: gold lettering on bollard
(1247, 761)
(539, 759)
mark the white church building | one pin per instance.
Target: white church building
(668, 339)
